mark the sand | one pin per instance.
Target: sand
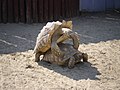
(18, 71)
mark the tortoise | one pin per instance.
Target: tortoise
(53, 33)
(71, 57)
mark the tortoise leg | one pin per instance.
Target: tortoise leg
(70, 35)
(63, 38)
(54, 47)
(75, 39)
(71, 62)
(37, 56)
(56, 50)
(85, 57)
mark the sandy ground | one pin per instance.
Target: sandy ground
(99, 37)
(18, 71)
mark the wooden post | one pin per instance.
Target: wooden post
(35, 11)
(51, 10)
(70, 8)
(77, 8)
(4, 11)
(22, 10)
(67, 8)
(29, 11)
(63, 8)
(16, 11)
(45, 10)
(57, 9)
(10, 11)
(40, 10)
(0, 11)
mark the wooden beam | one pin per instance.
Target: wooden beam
(57, 9)
(29, 11)
(10, 11)
(0, 11)
(4, 11)
(22, 10)
(16, 11)
(51, 8)
(63, 8)
(35, 11)
(45, 15)
(40, 10)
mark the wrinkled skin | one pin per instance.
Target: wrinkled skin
(71, 57)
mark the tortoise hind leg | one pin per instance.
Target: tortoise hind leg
(71, 62)
(37, 56)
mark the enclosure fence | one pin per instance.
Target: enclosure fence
(34, 11)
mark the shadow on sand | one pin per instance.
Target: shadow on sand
(80, 71)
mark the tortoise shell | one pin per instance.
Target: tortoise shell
(43, 41)
(69, 51)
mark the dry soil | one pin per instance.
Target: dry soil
(18, 71)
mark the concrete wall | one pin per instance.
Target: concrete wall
(98, 5)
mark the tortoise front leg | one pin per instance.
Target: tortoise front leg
(56, 50)
(75, 38)
(70, 35)
(54, 47)
(85, 57)
(71, 62)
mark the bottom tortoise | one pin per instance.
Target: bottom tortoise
(72, 56)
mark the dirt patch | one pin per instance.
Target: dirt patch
(18, 71)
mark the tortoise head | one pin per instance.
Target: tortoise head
(80, 56)
(67, 24)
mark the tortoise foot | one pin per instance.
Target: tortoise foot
(85, 57)
(37, 57)
(71, 63)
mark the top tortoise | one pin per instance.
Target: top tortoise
(52, 34)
